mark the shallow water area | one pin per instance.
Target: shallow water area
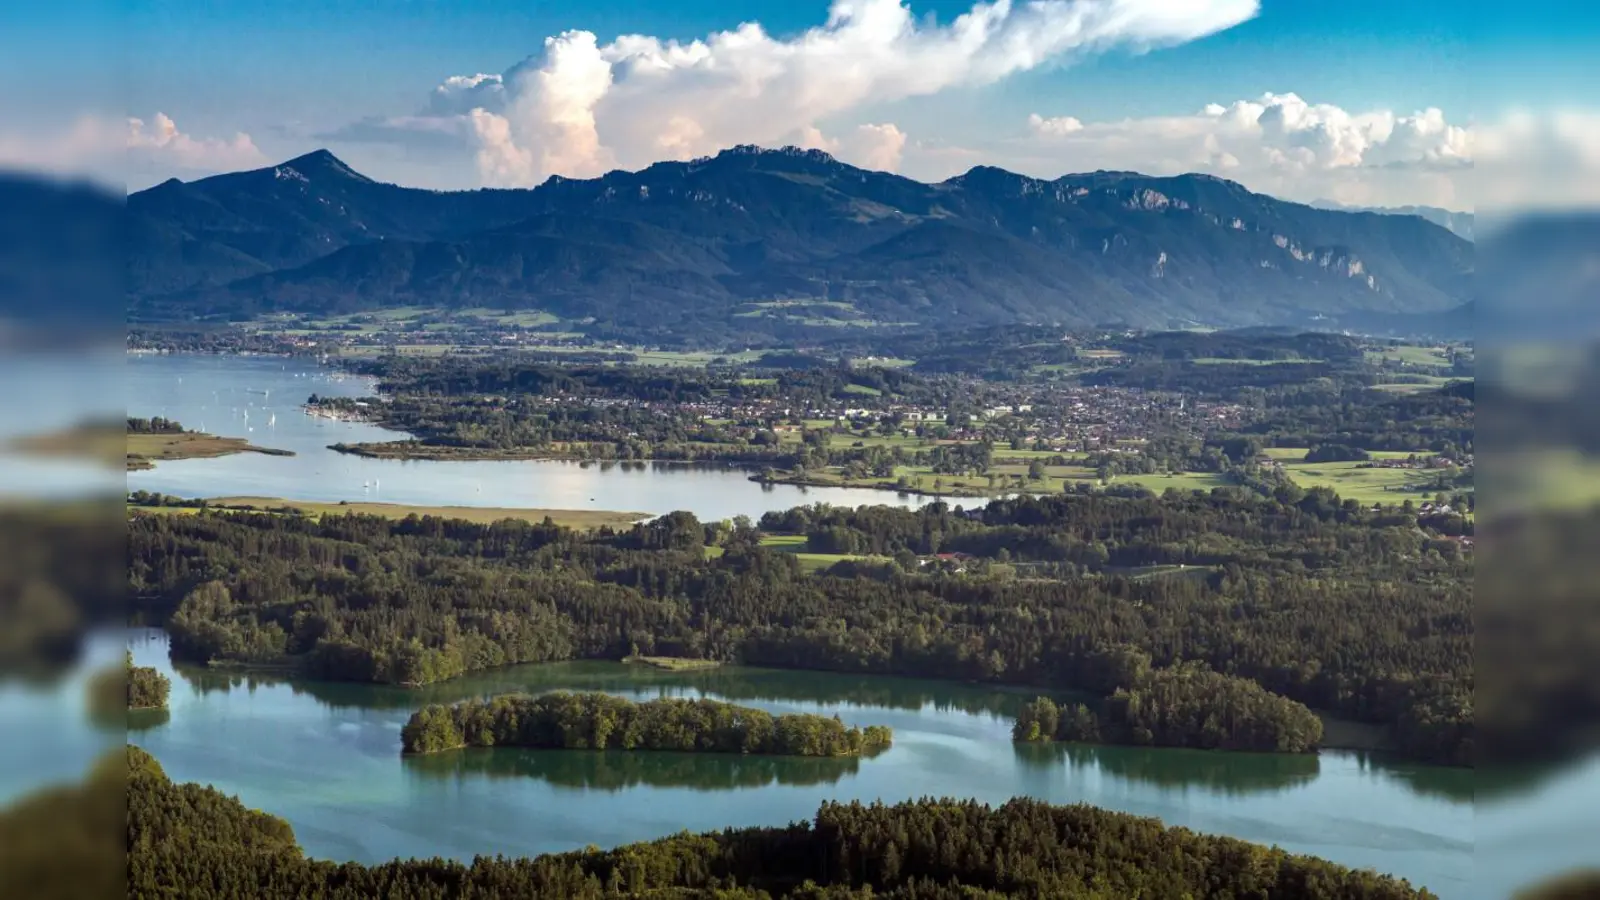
(326, 756)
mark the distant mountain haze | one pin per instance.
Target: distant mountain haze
(1459, 222)
(754, 235)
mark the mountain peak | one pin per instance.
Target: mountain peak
(322, 162)
(980, 176)
(788, 151)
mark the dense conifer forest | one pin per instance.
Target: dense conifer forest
(595, 721)
(1320, 601)
(192, 842)
(1185, 706)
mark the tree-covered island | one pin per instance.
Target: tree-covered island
(595, 721)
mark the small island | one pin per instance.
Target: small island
(126, 688)
(595, 721)
(1184, 706)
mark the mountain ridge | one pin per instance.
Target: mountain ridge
(1461, 223)
(735, 237)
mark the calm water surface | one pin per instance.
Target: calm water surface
(259, 398)
(47, 392)
(327, 758)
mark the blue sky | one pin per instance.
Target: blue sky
(291, 75)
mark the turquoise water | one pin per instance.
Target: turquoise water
(327, 758)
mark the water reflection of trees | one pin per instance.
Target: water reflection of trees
(733, 684)
(616, 771)
(1256, 773)
(146, 719)
(1451, 783)
(1235, 774)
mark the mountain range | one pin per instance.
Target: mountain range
(757, 241)
(1459, 222)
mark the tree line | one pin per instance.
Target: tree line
(193, 842)
(1182, 706)
(155, 425)
(596, 721)
(122, 687)
(1341, 609)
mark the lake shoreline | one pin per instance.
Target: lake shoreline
(847, 484)
(579, 519)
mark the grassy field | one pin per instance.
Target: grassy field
(144, 450)
(922, 479)
(1368, 485)
(1183, 481)
(1218, 361)
(1411, 355)
(1298, 454)
(1426, 383)
(522, 318)
(583, 519)
(796, 544)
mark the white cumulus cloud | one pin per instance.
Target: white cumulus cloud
(160, 142)
(582, 107)
(1278, 143)
(870, 146)
(126, 149)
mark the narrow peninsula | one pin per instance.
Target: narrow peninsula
(139, 445)
(595, 721)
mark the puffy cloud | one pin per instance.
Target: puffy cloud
(161, 143)
(870, 146)
(130, 148)
(1056, 127)
(1278, 143)
(581, 106)
(548, 121)
(460, 94)
(877, 147)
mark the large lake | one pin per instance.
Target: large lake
(327, 758)
(259, 398)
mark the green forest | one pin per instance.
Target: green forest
(125, 687)
(1319, 601)
(191, 841)
(1183, 706)
(596, 721)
